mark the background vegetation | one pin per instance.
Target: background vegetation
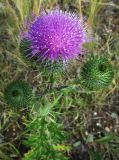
(91, 119)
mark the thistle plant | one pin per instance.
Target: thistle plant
(97, 73)
(46, 135)
(18, 93)
(55, 38)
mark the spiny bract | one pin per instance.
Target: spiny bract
(46, 65)
(56, 35)
(97, 73)
(25, 51)
(18, 93)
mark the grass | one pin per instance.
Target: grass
(78, 110)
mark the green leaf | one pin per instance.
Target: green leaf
(76, 144)
(90, 138)
(106, 139)
(45, 110)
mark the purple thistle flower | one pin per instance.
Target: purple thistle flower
(56, 35)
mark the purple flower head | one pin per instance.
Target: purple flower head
(56, 35)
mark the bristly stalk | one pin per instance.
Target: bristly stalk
(45, 135)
